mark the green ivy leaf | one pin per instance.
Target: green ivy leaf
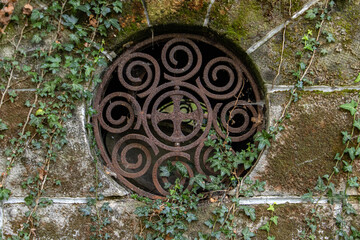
(330, 38)
(216, 234)
(320, 186)
(209, 223)
(117, 6)
(4, 193)
(308, 197)
(337, 157)
(115, 23)
(3, 126)
(68, 47)
(311, 14)
(347, 167)
(202, 236)
(271, 207)
(247, 234)
(355, 232)
(88, 70)
(39, 112)
(302, 66)
(225, 171)
(36, 39)
(199, 179)
(353, 182)
(349, 209)
(85, 8)
(15, 18)
(357, 124)
(26, 68)
(86, 211)
(263, 139)
(191, 217)
(350, 107)
(357, 79)
(70, 21)
(107, 236)
(265, 227)
(105, 10)
(249, 211)
(29, 200)
(164, 171)
(346, 136)
(181, 168)
(274, 219)
(74, 38)
(357, 152)
(35, 15)
(323, 52)
(351, 152)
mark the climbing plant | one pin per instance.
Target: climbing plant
(62, 67)
(68, 36)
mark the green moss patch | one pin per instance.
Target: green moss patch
(306, 148)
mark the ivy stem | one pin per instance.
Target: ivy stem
(8, 85)
(281, 56)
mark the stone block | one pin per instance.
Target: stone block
(236, 20)
(177, 11)
(65, 221)
(74, 166)
(306, 148)
(337, 65)
(14, 113)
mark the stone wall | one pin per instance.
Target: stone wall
(301, 153)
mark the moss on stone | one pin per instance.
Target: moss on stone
(237, 21)
(177, 11)
(14, 113)
(306, 148)
(291, 221)
(132, 20)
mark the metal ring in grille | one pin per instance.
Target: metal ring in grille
(158, 101)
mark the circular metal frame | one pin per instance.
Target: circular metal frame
(158, 101)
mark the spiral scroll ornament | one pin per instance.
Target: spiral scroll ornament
(157, 103)
(174, 66)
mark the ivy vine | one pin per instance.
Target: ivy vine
(68, 50)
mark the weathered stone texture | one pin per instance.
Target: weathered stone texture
(309, 143)
(177, 11)
(74, 166)
(338, 67)
(65, 221)
(14, 113)
(300, 154)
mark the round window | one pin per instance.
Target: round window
(159, 100)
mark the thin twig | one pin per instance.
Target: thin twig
(13, 68)
(290, 8)
(233, 108)
(281, 57)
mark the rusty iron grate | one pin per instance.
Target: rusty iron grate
(158, 101)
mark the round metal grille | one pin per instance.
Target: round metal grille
(158, 101)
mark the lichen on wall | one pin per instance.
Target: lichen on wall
(299, 154)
